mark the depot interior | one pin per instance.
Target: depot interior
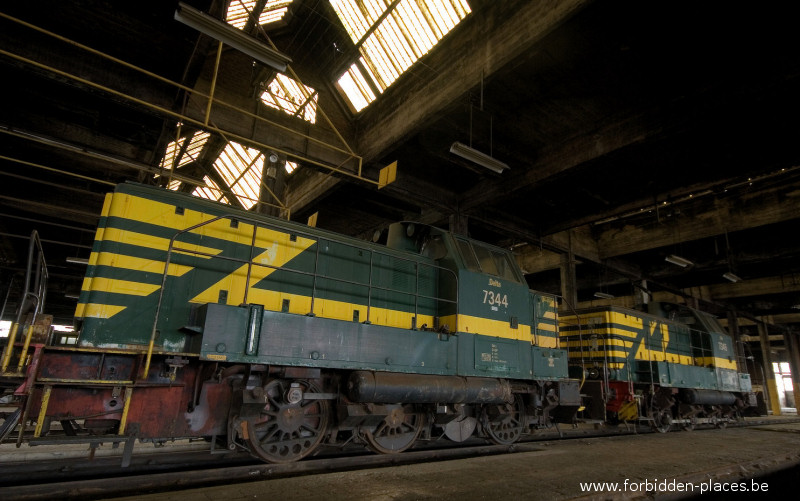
(625, 151)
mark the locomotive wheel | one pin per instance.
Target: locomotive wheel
(690, 425)
(662, 420)
(287, 431)
(397, 432)
(504, 423)
(460, 429)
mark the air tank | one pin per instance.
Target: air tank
(389, 388)
(706, 397)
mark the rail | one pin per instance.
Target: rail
(33, 294)
(369, 285)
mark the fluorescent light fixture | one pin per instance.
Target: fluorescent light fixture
(229, 35)
(77, 260)
(478, 157)
(730, 276)
(603, 295)
(680, 261)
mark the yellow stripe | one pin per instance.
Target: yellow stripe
(137, 263)
(161, 214)
(547, 342)
(610, 365)
(721, 363)
(598, 342)
(152, 242)
(488, 327)
(547, 327)
(337, 310)
(604, 317)
(598, 354)
(80, 308)
(125, 408)
(42, 411)
(100, 284)
(93, 310)
(550, 314)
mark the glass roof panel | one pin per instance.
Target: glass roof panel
(210, 191)
(240, 10)
(389, 43)
(286, 94)
(180, 153)
(353, 85)
(290, 166)
(241, 169)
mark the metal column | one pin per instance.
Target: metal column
(766, 359)
(792, 341)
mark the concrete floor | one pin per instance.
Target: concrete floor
(717, 459)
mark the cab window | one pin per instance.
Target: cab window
(470, 261)
(486, 260)
(505, 268)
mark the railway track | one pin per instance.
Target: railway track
(77, 478)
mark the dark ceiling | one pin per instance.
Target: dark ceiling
(633, 130)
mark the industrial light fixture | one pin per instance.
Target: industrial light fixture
(478, 157)
(77, 260)
(603, 295)
(229, 35)
(730, 276)
(680, 261)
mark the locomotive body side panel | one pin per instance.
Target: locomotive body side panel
(295, 269)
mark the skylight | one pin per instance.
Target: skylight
(290, 166)
(239, 11)
(241, 169)
(184, 151)
(210, 191)
(286, 94)
(390, 37)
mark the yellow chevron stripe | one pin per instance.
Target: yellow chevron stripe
(92, 310)
(100, 284)
(280, 251)
(137, 264)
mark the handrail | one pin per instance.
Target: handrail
(35, 295)
(315, 274)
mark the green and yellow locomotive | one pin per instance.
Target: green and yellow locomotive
(198, 320)
(671, 365)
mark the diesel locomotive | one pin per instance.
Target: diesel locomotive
(666, 364)
(199, 320)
